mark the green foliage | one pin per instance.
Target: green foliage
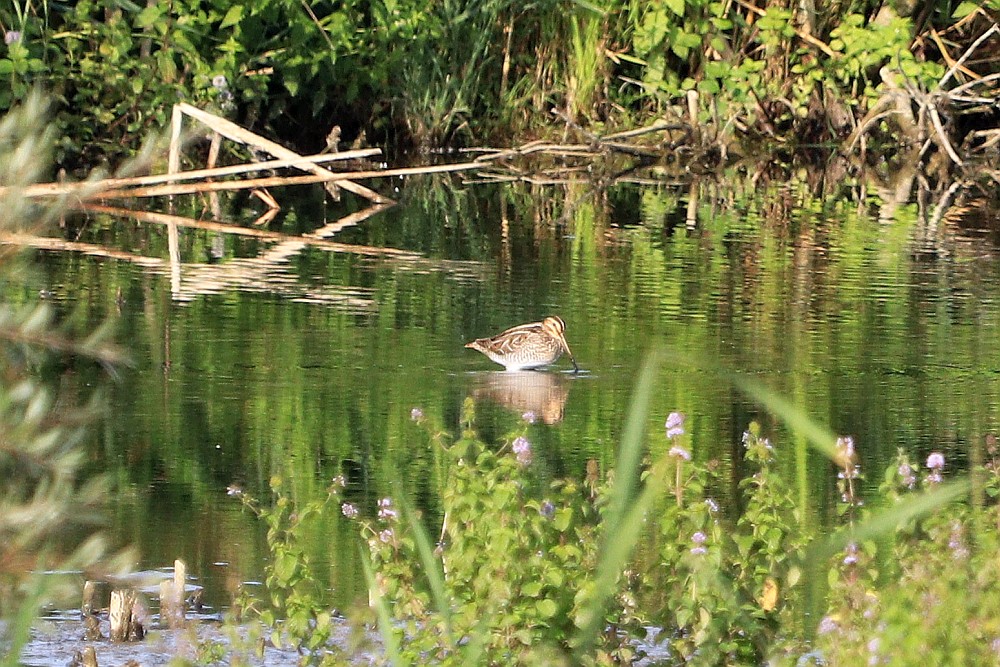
(296, 609)
(511, 577)
(932, 599)
(448, 72)
(728, 585)
(762, 67)
(117, 71)
(519, 568)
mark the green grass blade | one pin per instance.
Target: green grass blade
(820, 437)
(384, 617)
(886, 520)
(630, 452)
(431, 565)
(624, 519)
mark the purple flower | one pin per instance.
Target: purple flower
(349, 510)
(956, 542)
(675, 424)
(529, 417)
(698, 538)
(680, 453)
(339, 481)
(522, 450)
(386, 535)
(712, 505)
(385, 510)
(234, 490)
(852, 554)
(547, 510)
(416, 414)
(11, 36)
(906, 475)
(827, 625)
(219, 82)
(935, 462)
(873, 646)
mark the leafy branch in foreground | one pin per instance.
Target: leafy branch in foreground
(45, 494)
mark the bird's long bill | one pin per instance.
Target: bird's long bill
(562, 339)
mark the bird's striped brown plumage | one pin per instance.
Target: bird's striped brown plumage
(527, 346)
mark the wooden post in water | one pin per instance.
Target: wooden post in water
(85, 658)
(172, 597)
(125, 624)
(88, 611)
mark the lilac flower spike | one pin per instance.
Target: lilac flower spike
(529, 417)
(385, 510)
(680, 453)
(522, 450)
(349, 510)
(11, 36)
(935, 463)
(852, 554)
(906, 475)
(675, 424)
(699, 540)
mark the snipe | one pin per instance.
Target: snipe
(528, 345)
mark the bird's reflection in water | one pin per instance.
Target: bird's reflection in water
(539, 392)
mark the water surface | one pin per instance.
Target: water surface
(257, 357)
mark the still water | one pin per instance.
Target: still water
(258, 356)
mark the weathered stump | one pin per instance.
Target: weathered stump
(85, 658)
(88, 611)
(125, 614)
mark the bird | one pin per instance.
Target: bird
(527, 346)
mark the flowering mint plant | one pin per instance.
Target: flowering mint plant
(514, 561)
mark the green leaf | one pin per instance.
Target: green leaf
(232, 17)
(149, 16)
(964, 9)
(547, 608)
(676, 6)
(285, 566)
(6, 66)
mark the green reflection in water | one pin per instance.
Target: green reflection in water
(884, 330)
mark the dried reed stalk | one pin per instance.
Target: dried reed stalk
(96, 187)
(277, 181)
(234, 132)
